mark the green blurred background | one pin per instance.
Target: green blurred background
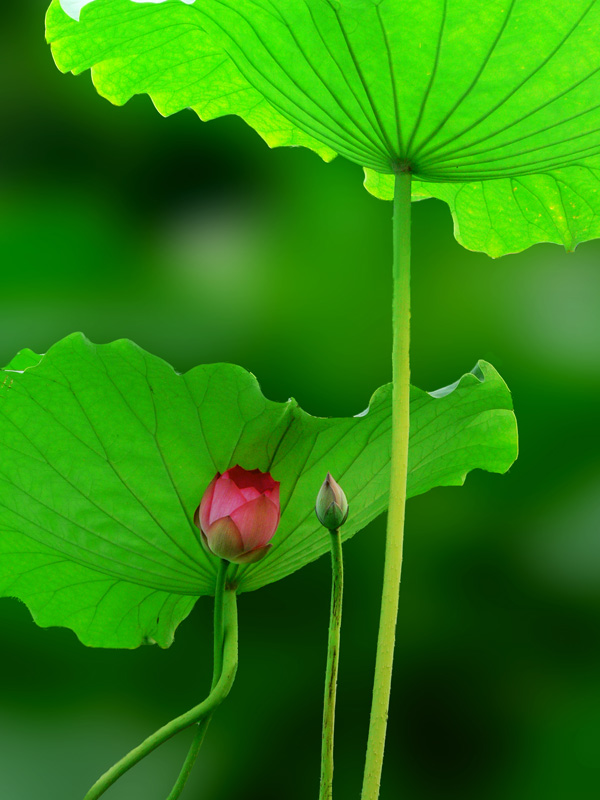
(202, 245)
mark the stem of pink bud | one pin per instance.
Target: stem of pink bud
(397, 502)
(196, 714)
(198, 740)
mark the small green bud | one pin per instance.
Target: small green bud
(332, 506)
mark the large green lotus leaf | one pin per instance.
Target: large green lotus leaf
(511, 214)
(23, 360)
(106, 452)
(492, 104)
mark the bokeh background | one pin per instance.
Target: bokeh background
(202, 245)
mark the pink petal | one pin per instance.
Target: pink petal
(204, 511)
(257, 522)
(252, 556)
(273, 494)
(250, 493)
(226, 498)
(224, 539)
(246, 478)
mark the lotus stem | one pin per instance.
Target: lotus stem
(198, 739)
(398, 480)
(194, 715)
(333, 656)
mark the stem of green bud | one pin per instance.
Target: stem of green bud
(331, 676)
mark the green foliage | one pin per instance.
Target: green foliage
(106, 452)
(24, 359)
(492, 105)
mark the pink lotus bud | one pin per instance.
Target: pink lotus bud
(239, 514)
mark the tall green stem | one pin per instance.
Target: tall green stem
(333, 656)
(397, 504)
(192, 755)
(199, 712)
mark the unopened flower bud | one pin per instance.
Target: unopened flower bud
(239, 514)
(332, 506)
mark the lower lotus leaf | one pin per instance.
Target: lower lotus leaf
(106, 452)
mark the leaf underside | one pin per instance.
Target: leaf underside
(492, 105)
(106, 452)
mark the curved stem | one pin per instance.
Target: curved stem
(397, 502)
(190, 759)
(199, 712)
(198, 739)
(333, 655)
(218, 622)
